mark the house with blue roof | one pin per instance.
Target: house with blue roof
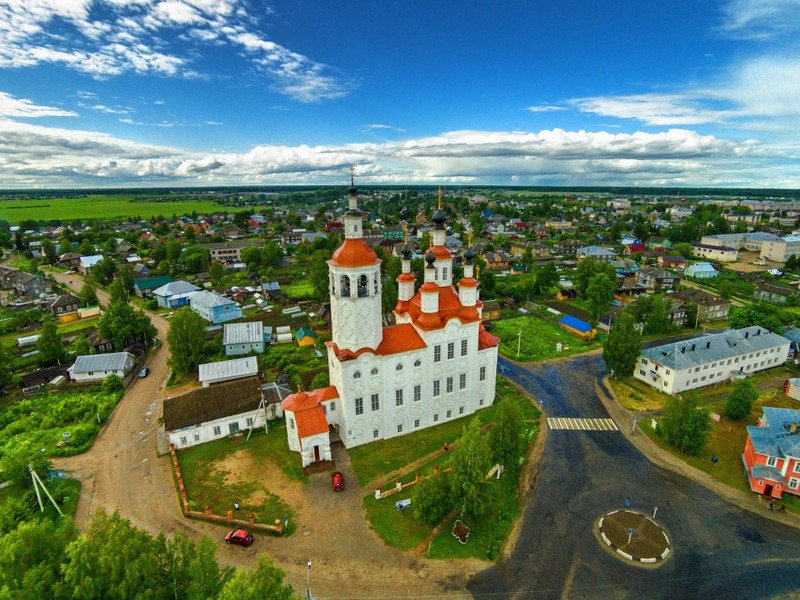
(596, 252)
(714, 358)
(701, 270)
(213, 307)
(174, 294)
(772, 453)
(578, 328)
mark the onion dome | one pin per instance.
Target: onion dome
(430, 258)
(439, 218)
(406, 252)
(469, 254)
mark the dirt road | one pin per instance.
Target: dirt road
(122, 472)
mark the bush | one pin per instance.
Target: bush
(685, 425)
(431, 499)
(740, 403)
(112, 384)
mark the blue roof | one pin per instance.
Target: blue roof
(774, 439)
(576, 324)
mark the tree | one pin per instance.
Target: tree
(6, 371)
(49, 251)
(103, 271)
(192, 569)
(31, 557)
(683, 248)
(119, 293)
(600, 291)
(271, 255)
(622, 347)
(505, 438)
(113, 559)
(692, 314)
(318, 273)
(546, 278)
(88, 294)
(264, 583)
(186, 337)
(196, 259)
(216, 271)
(685, 424)
(657, 320)
(121, 324)
(739, 403)
(764, 314)
(588, 268)
(251, 256)
(174, 250)
(469, 463)
(320, 380)
(431, 499)
(51, 350)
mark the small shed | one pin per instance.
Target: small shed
(578, 328)
(305, 336)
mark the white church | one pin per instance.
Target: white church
(436, 364)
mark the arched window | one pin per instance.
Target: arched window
(344, 285)
(363, 286)
(417, 362)
(374, 370)
(399, 367)
(375, 283)
(357, 375)
(332, 283)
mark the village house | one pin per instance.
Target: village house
(717, 253)
(244, 338)
(671, 261)
(87, 262)
(772, 453)
(65, 307)
(94, 368)
(711, 307)
(714, 358)
(596, 252)
(773, 293)
(658, 279)
(174, 294)
(145, 286)
(213, 307)
(701, 270)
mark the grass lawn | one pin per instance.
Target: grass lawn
(207, 487)
(538, 340)
(726, 442)
(299, 289)
(634, 394)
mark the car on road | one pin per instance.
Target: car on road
(144, 372)
(337, 482)
(240, 537)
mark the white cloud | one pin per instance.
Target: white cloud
(544, 108)
(763, 20)
(142, 36)
(51, 157)
(24, 108)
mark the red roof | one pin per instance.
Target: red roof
(396, 339)
(354, 252)
(441, 252)
(307, 409)
(450, 307)
(311, 422)
(486, 339)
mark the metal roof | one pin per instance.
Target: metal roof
(576, 323)
(209, 299)
(243, 333)
(113, 361)
(228, 369)
(175, 287)
(715, 347)
(774, 439)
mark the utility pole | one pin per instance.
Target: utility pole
(519, 341)
(38, 482)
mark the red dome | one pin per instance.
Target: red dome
(354, 253)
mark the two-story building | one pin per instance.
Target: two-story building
(772, 453)
(658, 279)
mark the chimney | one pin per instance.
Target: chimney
(793, 427)
(708, 344)
(683, 349)
(746, 334)
(692, 347)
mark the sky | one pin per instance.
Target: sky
(155, 93)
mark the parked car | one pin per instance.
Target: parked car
(240, 537)
(144, 372)
(337, 482)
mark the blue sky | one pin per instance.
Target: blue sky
(105, 93)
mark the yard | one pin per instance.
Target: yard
(298, 290)
(532, 338)
(255, 473)
(401, 459)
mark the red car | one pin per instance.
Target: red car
(337, 482)
(239, 536)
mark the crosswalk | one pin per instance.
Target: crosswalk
(582, 424)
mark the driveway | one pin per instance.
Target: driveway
(720, 550)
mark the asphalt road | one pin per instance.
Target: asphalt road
(719, 550)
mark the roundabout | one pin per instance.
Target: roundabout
(634, 537)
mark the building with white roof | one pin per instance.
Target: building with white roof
(227, 370)
(715, 358)
(781, 249)
(243, 338)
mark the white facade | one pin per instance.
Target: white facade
(216, 429)
(97, 367)
(435, 365)
(780, 250)
(716, 358)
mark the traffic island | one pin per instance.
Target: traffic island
(634, 537)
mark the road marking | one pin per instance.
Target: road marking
(573, 423)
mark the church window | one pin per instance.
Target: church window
(437, 353)
(417, 363)
(400, 428)
(183, 441)
(333, 406)
(436, 388)
(324, 409)
(249, 421)
(461, 410)
(374, 433)
(451, 350)
(449, 384)
(357, 375)
(291, 423)
(444, 273)
(435, 418)
(398, 397)
(463, 347)
(344, 286)
(218, 430)
(399, 367)
(363, 286)
(375, 402)
(416, 424)
(375, 284)
(449, 413)
(417, 393)
(332, 282)
(483, 374)
(462, 381)
(480, 401)
(374, 371)
(359, 406)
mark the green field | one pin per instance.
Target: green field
(538, 339)
(98, 207)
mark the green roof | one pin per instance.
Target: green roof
(151, 283)
(303, 332)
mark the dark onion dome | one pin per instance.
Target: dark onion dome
(469, 254)
(352, 190)
(406, 251)
(439, 218)
(430, 258)
(354, 212)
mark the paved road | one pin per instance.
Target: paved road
(720, 550)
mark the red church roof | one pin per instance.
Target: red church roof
(307, 409)
(354, 252)
(450, 307)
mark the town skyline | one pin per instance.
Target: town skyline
(113, 93)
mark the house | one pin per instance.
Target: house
(69, 260)
(596, 252)
(781, 249)
(98, 343)
(793, 335)
(145, 287)
(714, 358)
(701, 270)
(718, 253)
(305, 337)
(491, 310)
(213, 307)
(578, 328)
(773, 293)
(565, 294)
(658, 279)
(87, 262)
(567, 247)
(496, 260)
(772, 453)
(229, 252)
(210, 413)
(711, 307)
(671, 261)
(96, 367)
(24, 284)
(634, 248)
(625, 267)
(174, 294)
(227, 370)
(65, 307)
(244, 338)
(437, 363)
(657, 242)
